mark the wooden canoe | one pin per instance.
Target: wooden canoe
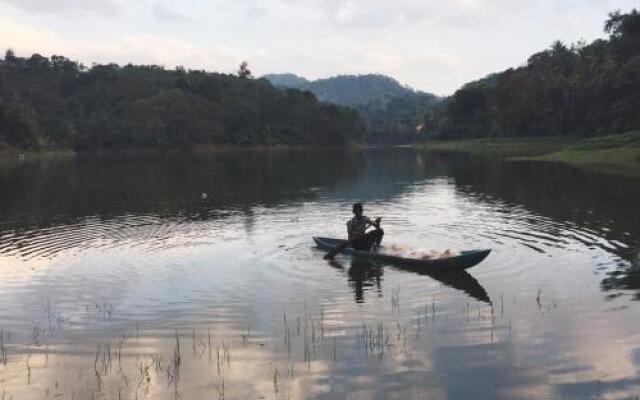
(466, 259)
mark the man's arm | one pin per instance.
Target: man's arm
(368, 222)
(375, 223)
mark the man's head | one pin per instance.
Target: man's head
(357, 209)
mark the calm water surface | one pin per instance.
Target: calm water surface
(118, 281)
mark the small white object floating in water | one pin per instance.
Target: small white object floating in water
(204, 196)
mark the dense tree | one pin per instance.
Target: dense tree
(404, 119)
(243, 70)
(624, 31)
(582, 89)
(349, 90)
(56, 103)
(393, 113)
(9, 56)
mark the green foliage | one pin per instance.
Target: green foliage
(393, 113)
(403, 119)
(286, 80)
(503, 147)
(56, 103)
(349, 90)
(629, 139)
(243, 70)
(19, 126)
(579, 90)
(618, 154)
(624, 31)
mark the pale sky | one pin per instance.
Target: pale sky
(431, 45)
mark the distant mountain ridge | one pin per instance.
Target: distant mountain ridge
(394, 113)
(350, 90)
(286, 80)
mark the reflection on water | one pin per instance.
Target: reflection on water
(364, 275)
(118, 279)
(597, 211)
(460, 280)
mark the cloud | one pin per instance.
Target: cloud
(257, 11)
(427, 70)
(164, 12)
(383, 14)
(145, 49)
(433, 45)
(101, 7)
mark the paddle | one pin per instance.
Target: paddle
(346, 244)
(337, 250)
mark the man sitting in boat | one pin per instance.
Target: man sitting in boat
(357, 226)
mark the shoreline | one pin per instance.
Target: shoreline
(11, 155)
(618, 154)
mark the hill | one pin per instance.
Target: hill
(393, 113)
(291, 81)
(350, 90)
(578, 90)
(55, 103)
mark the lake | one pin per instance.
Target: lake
(119, 279)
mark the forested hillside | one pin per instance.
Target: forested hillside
(56, 103)
(349, 90)
(583, 89)
(404, 119)
(393, 113)
(287, 81)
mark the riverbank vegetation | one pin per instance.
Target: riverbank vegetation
(55, 103)
(501, 147)
(560, 94)
(613, 153)
(578, 90)
(567, 104)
